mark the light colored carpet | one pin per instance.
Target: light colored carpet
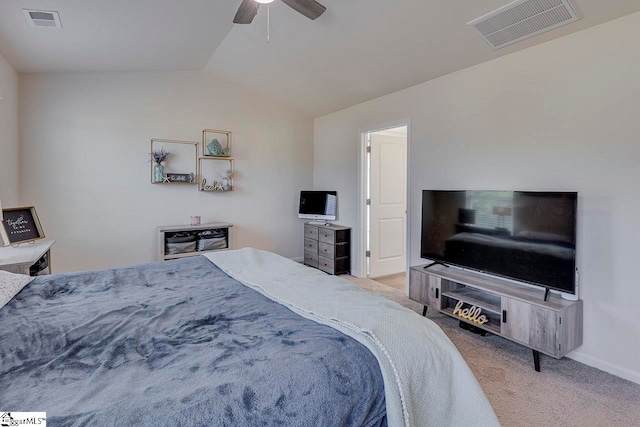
(565, 393)
(397, 281)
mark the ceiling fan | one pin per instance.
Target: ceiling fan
(249, 8)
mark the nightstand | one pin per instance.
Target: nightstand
(20, 259)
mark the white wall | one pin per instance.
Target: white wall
(564, 115)
(85, 140)
(8, 134)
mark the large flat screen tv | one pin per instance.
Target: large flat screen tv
(318, 205)
(528, 236)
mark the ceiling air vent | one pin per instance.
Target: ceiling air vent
(42, 18)
(523, 19)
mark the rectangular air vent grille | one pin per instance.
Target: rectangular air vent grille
(42, 18)
(523, 19)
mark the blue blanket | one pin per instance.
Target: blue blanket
(177, 343)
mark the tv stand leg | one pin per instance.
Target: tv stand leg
(546, 294)
(424, 310)
(536, 360)
(435, 263)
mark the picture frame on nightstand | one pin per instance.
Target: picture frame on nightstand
(20, 225)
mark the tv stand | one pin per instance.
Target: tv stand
(501, 307)
(435, 263)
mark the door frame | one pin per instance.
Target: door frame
(360, 269)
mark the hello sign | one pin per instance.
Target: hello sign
(472, 313)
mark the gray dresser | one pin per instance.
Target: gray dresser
(328, 247)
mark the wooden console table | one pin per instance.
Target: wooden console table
(19, 259)
(516, 312)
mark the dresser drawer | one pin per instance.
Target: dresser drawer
(326, 264)
(310, 232)
(326, 235)
(311, 259)
(334, 266)
(326, 250)
(311, 245)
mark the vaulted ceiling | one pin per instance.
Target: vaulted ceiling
(358, 50)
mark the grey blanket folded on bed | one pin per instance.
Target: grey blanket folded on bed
(177, 343)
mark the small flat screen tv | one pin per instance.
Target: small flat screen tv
(318, 205)
(527, 236)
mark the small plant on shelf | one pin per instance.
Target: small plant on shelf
(158, 156)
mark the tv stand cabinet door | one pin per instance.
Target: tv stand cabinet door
(424, 288)
(531, 325)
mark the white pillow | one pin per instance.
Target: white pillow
(11, 284)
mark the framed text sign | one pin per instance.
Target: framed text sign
(21, 225)
(188, 178)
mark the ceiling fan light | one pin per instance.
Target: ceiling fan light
(265, 1)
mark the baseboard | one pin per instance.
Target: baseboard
(300, 260)
(594, 362)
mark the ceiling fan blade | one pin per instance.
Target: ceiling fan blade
(246, 12)
(309, 8)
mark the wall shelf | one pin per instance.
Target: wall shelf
(182, 159)
(224, 139)
(211, 180)
(209, 174)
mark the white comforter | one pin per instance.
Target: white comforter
(427, 383)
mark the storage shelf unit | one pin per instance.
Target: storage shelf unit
(328, 248)
(165, 232)
(516, 312)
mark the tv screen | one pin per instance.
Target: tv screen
(522, 235)
(318, 205)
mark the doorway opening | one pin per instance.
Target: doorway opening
(384, 202)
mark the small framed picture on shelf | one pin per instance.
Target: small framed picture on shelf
(20, 225)
(216, 143)
(188, 178)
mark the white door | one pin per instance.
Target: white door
(388, 205)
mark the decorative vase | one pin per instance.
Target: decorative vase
(158, 172)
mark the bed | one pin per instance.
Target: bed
(234, 338)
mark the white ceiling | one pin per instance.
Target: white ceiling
(115, 35)
(358, 50)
